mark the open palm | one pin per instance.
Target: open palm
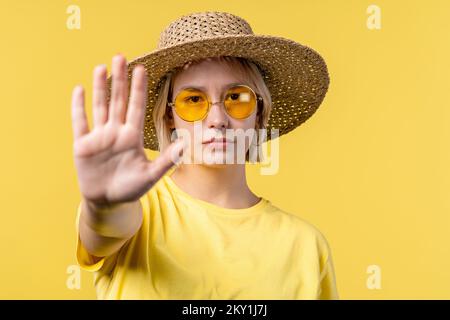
(111, 164)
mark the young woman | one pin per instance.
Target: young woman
(196, 232)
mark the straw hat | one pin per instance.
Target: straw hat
(296, 75)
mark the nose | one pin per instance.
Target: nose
(217, 116)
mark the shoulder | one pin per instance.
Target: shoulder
(300, 229)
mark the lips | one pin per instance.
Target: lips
(217, 140)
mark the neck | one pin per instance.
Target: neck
(225, 186)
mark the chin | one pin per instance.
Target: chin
(215, 165)
(218, 159)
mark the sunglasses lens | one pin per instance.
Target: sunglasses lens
(191, 105)
(240, 101)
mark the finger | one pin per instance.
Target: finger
(119, 93)
(138, 98)
(100, 110)
(80, 124)
(170, 156)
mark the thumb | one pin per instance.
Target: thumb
(172, 155)
(176, 151)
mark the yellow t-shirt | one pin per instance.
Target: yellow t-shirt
(187, 248)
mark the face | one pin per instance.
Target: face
(213, 78)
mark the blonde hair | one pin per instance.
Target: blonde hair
(247, 69)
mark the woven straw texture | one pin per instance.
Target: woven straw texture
(296, 75)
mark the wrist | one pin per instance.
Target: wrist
(112, 220)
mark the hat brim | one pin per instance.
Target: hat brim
(296, 75)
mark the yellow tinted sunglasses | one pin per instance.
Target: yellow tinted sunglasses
(192, 104)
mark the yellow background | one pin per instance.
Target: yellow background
(370, 169)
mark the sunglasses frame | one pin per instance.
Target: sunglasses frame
(258, 99)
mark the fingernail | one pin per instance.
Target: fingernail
(101, 67)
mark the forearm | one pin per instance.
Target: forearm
(104, 230)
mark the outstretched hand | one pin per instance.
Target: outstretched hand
(111, 164)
